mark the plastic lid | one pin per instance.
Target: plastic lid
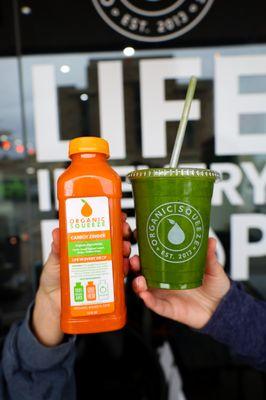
(89, 144)
(174, 172)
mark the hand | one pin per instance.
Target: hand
(47, 309)
(193, 307)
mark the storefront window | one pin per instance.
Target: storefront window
(135, 103)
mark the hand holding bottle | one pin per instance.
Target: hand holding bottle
(47, 309)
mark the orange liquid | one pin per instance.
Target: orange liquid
(89, 175)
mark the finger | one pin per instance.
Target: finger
(55, 244)
(135, 234)
(126, 265)
(155, 304)
(134, 263)
(126, 231)
(126, 248)
(151, 300)
(53, 257)
(124, 216)
(139, 285)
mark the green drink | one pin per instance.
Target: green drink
(173, 213)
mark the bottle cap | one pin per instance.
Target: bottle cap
(89, 144)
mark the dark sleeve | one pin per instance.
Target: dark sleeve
(240, 323)
(30, 370)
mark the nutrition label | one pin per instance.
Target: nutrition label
(89, 255)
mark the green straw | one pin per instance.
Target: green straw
(183, 123)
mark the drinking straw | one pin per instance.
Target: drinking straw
(183, 123)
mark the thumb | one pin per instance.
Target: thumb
(55, 244)
(213, 267)
(53, 257)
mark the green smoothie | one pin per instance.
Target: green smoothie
(173, 214)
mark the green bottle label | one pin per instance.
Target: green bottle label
(78, 292)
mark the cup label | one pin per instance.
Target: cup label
(175, 231)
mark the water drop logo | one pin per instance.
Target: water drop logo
(86, 210)
(176, 235)
(175, 231)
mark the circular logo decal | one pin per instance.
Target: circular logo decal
(175, 231)
(152, 20)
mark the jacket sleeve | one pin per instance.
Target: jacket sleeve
(30, 370)
(240, 322)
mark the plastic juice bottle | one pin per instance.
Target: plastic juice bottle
(91, 291)
(89, 194)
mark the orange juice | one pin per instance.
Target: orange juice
(91, 256)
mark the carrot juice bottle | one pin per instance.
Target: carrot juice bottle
(91, 291)
(91, 257)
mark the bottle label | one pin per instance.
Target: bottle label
(89, 256)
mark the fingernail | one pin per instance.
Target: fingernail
(141, 282)
(137, 282)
